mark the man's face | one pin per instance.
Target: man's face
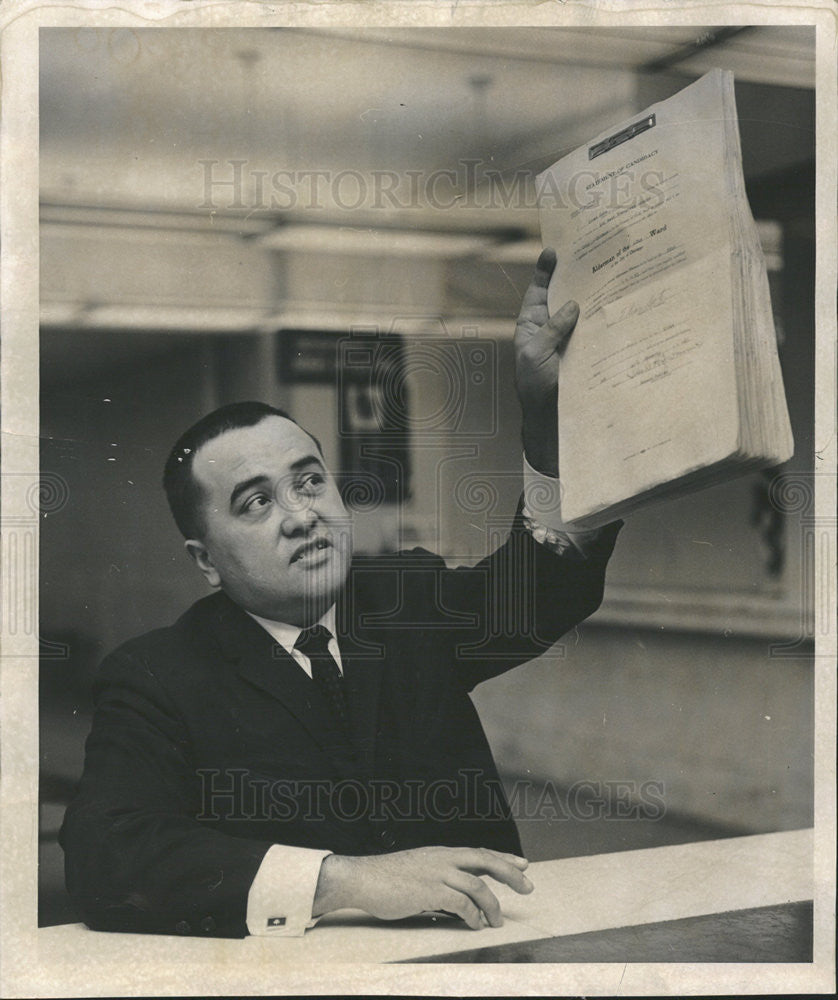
(277, 538)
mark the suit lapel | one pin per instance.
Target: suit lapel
(264, 663)
(261, 661)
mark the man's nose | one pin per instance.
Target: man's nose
(298, 519)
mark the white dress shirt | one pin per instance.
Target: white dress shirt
(281, 896)
(287, 636)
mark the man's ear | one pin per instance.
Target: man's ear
(203, 560)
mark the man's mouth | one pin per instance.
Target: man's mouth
(311, 548)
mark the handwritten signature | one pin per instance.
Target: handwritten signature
(633, 309)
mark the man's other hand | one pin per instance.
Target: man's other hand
(539, 342)
(392, 886)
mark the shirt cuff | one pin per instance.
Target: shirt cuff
(543, 515)
(281, 896)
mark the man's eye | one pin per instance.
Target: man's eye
(311, 482)
(256, 502)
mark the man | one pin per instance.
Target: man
(303, 739)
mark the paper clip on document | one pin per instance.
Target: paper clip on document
(629, 132)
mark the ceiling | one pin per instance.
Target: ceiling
(133, 122)
(127, 115)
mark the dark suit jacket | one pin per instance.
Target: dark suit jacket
(209, 743)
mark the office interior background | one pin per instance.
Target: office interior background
(343, 223)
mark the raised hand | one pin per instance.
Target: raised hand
(539, 342)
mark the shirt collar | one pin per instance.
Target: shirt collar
(286, 635)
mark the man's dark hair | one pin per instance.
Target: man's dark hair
(184, 494)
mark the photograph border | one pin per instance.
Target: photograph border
(155, 969)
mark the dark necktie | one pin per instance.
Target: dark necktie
(314, 643)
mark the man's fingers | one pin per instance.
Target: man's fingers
(513, 859)
(547, 343)
(559, 326)
(544, 267)
(536, 293)
(462, 905)
(486, 862)
(538, 335)
(479, 893)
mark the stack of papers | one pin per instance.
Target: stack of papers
(671, 380)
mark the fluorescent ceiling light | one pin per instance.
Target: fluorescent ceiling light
(61, 313)
(132, 219)
(182, 318)
(383, 320)
(375, 242)
(519, 252)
